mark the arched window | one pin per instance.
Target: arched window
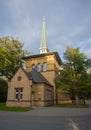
(44, 66)
(39, 67)
(33, 66)
(24, 64)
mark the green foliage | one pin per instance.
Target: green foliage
(86, 90)
(15, 109)
(74, 76)
(3, 90)
(11, 53)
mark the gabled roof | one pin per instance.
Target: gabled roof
(37, 77)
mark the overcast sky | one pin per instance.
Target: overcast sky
(68, 23)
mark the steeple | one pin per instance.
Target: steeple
(43, 45)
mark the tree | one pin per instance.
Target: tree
(11, 53)
(87, 91)
(74, 76)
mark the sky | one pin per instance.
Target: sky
(68, 23)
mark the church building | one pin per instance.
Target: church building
(35, 86)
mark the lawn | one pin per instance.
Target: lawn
(71, 105)
(14, 109)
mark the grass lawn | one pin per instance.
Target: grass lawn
(72, 105)
(14, 109)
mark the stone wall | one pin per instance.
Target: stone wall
(24, 83)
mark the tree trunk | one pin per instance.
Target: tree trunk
(77, 99)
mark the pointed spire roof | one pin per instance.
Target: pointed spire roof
(43, 45)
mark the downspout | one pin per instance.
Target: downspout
(30, 84)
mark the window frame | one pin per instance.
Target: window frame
(33, 66)
(45, 66)
(18, 94)
(39, 67)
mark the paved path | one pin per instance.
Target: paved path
(47, 118)
(50, 111)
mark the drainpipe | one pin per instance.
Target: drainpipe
(30, 84)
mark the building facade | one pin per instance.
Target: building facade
(35, 85)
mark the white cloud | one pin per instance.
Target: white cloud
(88, 53)
(68, 23)
(16, 4)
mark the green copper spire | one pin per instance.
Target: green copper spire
(43, 45)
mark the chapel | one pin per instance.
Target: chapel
(34, 85)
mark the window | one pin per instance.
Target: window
(19, 78)
(48, 95)
(24, 65)
(33, 66)
(18, 94)
(39, 67)
(44, 66)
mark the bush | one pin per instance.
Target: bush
(81, 101)
(3, 90)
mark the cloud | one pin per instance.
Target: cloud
(88, 53)
(67, 23)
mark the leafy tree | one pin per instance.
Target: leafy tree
(87, 91)
(3, 90)
(74, 76)
(11, 53)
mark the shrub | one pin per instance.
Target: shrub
(3, 90)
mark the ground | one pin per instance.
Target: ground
(47, 118)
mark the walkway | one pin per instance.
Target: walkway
(47, 118)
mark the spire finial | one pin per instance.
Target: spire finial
(43, 18)
(43, 45)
